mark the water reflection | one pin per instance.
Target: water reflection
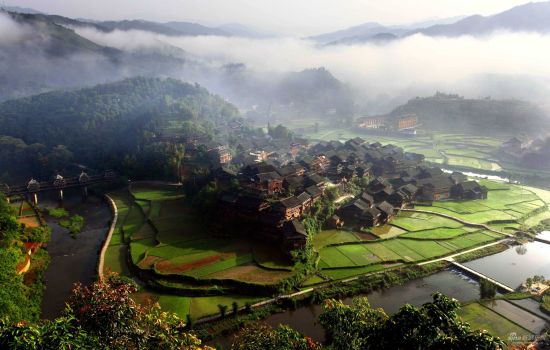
(72, 259)
(513, 266)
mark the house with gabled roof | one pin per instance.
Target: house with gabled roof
(435, 188)
(353, 211)
(469, 190)
(290, 208)
(387, 212)
(270, 182)
(294, 236)
(305, 201)
(315, 193)
(371, 217)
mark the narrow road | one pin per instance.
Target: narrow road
(105, 245)
(342, 198)
(472, 224)
(449, 258)
(446, 258)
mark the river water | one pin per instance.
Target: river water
(72, 259)
(416, 292)
(510, 267)
(514, 265)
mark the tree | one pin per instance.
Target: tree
(434, 326)
(280, 132)
(39, 234)
(223, 309)
(102, 316)
(13, 293)
(105, 310)
(487, 289)
(259, 336)
(235, 308)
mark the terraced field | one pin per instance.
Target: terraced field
(167, 238)
(415, 237)
(161, 233)
(467, 151)
(507, 326)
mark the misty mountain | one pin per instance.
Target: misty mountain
(307, 93)
(169, 28)
(373, 32)
(52, 39)
(110, 125)
(380, 38)
(478, 116)
(531, 17)
(18, 9)
(536, 155)
(315, 91)
(50, 56)
(366, 29)
(239, 30)
(193, 29)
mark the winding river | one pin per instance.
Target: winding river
(510, 267)
(72, 259)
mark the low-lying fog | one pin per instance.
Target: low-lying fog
(503, 65)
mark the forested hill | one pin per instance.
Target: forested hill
(102, 125)
(453, 112)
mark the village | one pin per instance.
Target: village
(277, 189)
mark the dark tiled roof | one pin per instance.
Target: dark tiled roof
(295, 181)
(437, 182)
(367, 197)
(410, 189)
(250, 202)
(294, 229)
(268, 176)
(316, 179)
(291, 202)
(229, 198)
(303, 197)
(357, 204)
(470, 186)
(289, 169)
(373, 212)
(386, 208)
(314, 191)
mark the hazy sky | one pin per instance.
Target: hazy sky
(302, 17)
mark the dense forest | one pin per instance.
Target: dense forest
(20, 295)
(120, 125)
(479, 116)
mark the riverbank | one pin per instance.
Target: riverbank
(216, 329)
(73, 260)
(107, 241)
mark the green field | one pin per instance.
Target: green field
(483, 318)
(166, 236)
(328, 237)
(414, 237)
(459, 150)
(152, 192)
(163, 234)
(504, 203)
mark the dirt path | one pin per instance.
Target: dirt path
(342, 198)
(471, 224)
(101, 260)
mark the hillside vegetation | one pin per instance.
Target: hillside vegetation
(479, 116)
(113, 124)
